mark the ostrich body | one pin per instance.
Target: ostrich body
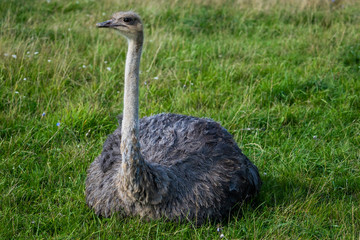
(165, 166)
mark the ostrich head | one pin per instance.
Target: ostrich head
(127, 23)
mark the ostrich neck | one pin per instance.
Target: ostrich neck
(130, 148)
(130, 123)
(137, 181)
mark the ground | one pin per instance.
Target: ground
(281, 76)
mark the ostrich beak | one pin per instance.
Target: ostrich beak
(105, 24)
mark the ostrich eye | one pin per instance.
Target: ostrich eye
(127, 19)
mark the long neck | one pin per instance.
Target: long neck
(137, 181)
(130, 124)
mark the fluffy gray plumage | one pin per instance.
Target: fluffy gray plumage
(205, 172)
(171, 166)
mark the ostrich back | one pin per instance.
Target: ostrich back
(206, 170)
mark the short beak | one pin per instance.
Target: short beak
(105, 24)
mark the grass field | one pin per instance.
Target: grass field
(282, 76)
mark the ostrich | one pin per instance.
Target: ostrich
(167, 166)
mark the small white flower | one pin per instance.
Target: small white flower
(48, 1)
(16, 92)
(145, 83)
(184, 86)
(69, 29)
(103, 14)
(220, 56)
(191, 84)
(156, 78)
(83, 66)
(6, 54)
(33, 222)
(49, 60)
(36, 53)
(108, 68)
(265, 173)
(77, 2)
(315, 137)
(105, 62)
(14, 56)
(25, 79)
(27, 52)
(222, 235)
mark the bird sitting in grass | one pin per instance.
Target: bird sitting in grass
(168, 166)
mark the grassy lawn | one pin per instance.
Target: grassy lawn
(282, 77)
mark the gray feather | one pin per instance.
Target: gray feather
(193, 163)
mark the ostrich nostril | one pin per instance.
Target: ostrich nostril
(104, 24)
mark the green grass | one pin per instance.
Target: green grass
(284, 80)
